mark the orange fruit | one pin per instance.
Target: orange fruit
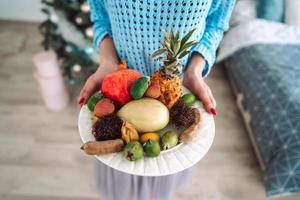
(150, 136)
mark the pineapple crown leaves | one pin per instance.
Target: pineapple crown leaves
(174, 47)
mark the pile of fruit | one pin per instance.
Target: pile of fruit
(130, 109)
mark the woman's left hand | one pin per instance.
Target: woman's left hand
(194, 82)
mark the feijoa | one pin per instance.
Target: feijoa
(139, 87)
(93, 100)
(151, 148)
(133, 151)
(169, 140)
(189, 99)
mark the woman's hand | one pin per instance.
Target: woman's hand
(109, 61)
(194, 82)
(93, 83)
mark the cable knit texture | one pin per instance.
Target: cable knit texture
(135, 26)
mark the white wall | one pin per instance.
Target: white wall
(23, 10)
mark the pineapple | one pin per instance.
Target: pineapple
(168, 77)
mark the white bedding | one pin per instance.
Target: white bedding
(257, 31)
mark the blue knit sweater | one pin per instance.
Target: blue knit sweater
(135, 26)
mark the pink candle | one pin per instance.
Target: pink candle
(49, 77)
(46, 63)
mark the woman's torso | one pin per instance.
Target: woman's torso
(137, 24)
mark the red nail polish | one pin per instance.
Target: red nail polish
(81, 100)
(213, 111)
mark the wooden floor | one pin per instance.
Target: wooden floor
(39, 150)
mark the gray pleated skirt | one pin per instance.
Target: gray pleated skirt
(115, 185)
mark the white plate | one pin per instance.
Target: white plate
(168, 162)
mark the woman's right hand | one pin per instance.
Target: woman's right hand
(109, 61)
(93, 83)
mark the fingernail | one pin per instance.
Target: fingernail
(81, 100)
(213, 111)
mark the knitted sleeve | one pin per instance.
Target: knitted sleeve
(100, 19)
(216, 23)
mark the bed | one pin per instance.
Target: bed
(262, 59)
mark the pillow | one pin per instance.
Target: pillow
(292, 12)
(244, 10)
(271, 10)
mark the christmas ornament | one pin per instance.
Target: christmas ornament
(76, 68)
(78, 20)
(89, 50)
(85, 7)
(54, 18)
(71, 81)
(89, 32)
(68, 48)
